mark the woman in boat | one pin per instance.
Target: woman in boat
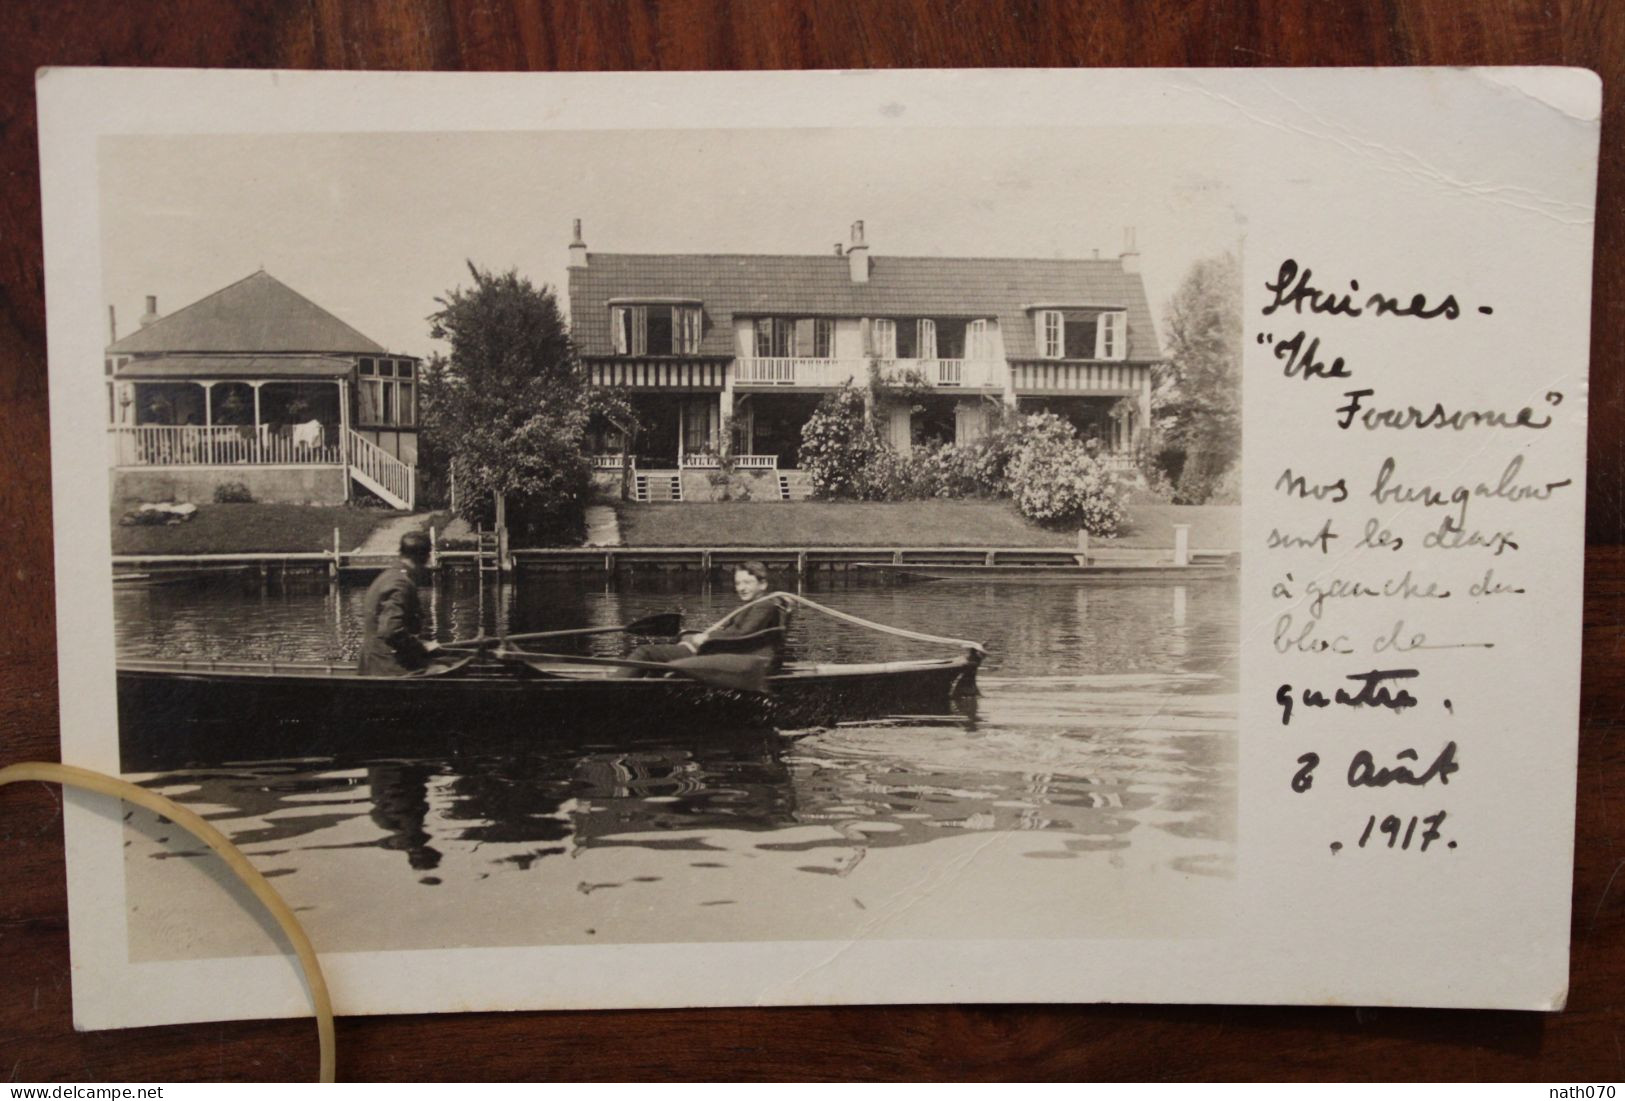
(392, 615)
(758, 629)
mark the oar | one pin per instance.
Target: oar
(661, 623)
(740, 672)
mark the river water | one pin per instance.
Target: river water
(1090, 790)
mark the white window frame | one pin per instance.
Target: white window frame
(885, 338)
(1110, 331)
(925, 339)
(373, 383)
(1050, 334)
(823, 337)
(775, 338)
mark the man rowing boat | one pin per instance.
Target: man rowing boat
(392, 615)
(756, 629)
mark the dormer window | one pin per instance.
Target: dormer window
(1081, 333)
(655, 329)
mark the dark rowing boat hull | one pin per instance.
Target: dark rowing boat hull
(173, 718)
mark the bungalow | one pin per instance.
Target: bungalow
(732, 353)
(258, 385)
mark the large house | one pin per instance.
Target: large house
(257, 385)
(733, 352)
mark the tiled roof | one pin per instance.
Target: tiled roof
(235, 367)
(256, 314)
(898, 286)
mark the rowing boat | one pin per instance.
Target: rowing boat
(182, 713)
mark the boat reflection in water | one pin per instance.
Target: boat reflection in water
(1105, 737)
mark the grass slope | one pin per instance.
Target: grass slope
(248, 529)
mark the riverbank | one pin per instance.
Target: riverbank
(904, 524)
(293, 529)
(253, 529)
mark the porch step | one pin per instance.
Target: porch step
(657, 485)
(795, 485)
(382, 473)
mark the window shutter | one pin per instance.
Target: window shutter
(804, 338)
(1109, 343)
(617, 329)
(866, 330)
(764, 337)
(640, 330)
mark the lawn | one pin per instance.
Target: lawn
(251, 528)
(899, 524)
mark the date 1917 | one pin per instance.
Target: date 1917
(1401, 833)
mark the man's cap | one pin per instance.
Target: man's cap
(415, 545)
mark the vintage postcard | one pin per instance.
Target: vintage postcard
(615, 540)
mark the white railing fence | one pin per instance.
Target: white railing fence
(798, 371)
(613, 462)
(706, 461)
(223, 445)
(394, 476)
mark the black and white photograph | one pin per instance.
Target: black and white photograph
(596, 538)
(643, 541)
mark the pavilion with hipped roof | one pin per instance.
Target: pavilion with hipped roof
(256, 384)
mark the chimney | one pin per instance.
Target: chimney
(1131, 253)
(112, 324)
(838, 250)
(857, 255)
(152, 311)
(578, 248)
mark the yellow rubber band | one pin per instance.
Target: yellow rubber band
(90, 780)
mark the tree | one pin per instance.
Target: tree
(507, 409)
(1196, 396)
(613, 404)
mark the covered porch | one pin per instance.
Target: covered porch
(679, 432)
(289, 413)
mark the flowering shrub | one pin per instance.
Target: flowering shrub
(842, 451)
(1055, 480)
(1038, 461)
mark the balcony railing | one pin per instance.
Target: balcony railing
(220, 445)
(798, 371)
(947, 374)
(612, 462)
(950, 374)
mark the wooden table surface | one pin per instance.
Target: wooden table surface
(1585, 1043)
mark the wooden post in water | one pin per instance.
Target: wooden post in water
(335, 567)
(1082, 556)
(1182, 544)
(503, 564)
